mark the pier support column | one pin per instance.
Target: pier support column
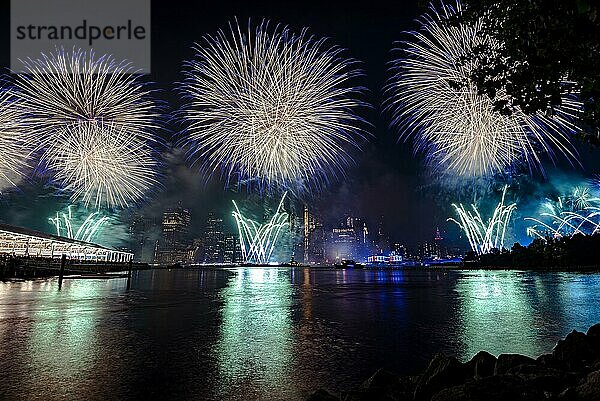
(130, 266)
(63, 261)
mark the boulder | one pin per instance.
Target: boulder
(567, 395)
(589, 387)
(594, 331)
(443, 372)
(577, 350)
(455, 393)
(364, 394)
(570, 373)
(481, 365)
(386, 384)
(549, 361)
(544, 378)
(492, 388)
(508, 361)
(382, 379)
(322, 395)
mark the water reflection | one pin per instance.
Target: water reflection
(577, 292)
(493, 302)
(272, 333)
(510, 311)
(56, 333)
(255, 345)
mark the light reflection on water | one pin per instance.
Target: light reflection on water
(255, 341)
(273, 333)
(518, 306)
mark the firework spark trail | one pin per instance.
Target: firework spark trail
(433, 99)
(258, 241)
(101, 164)
(483, 235)
(15, 141)
(87, 231)
(271, 107)
(577, 212)
(67, 87)
(94, 122)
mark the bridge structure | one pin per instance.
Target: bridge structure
(23, 242)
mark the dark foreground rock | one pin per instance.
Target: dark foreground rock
(570, 373)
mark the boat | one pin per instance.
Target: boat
(348, 264)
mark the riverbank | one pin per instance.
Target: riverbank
(571, 373)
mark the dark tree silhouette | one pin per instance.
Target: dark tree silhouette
(549, 47)
(565, 252)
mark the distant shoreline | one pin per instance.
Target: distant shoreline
(45, 273)
(566, 269)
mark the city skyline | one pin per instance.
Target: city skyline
(305, 240)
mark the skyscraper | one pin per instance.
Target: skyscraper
(297, 235)
(438, 240)
(343, 245)
(137, 236)
(144, 231)
(316, 251)
(232, 252)
(214, 239)
(308, 226)
(362, 237)
(313, 238)
(381, 239)
(174, 243)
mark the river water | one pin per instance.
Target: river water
(272, 333)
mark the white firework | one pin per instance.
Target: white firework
(485, 235)
(271, 107)
(101, 164)
(258, 241)
(66, 87)
(101, 112)
(66, 226)
(15, 143)
(577, 212)
(433, 98)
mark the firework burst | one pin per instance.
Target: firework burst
(94, 121)
(63, 88)
(15, 149)
(485, 235)
(101, 164)
(258, 241)
(433, 98)
(271, 107)
(577, 212)
(65, 225)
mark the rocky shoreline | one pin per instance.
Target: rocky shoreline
(570, 373)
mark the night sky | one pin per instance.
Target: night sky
(388, 179)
